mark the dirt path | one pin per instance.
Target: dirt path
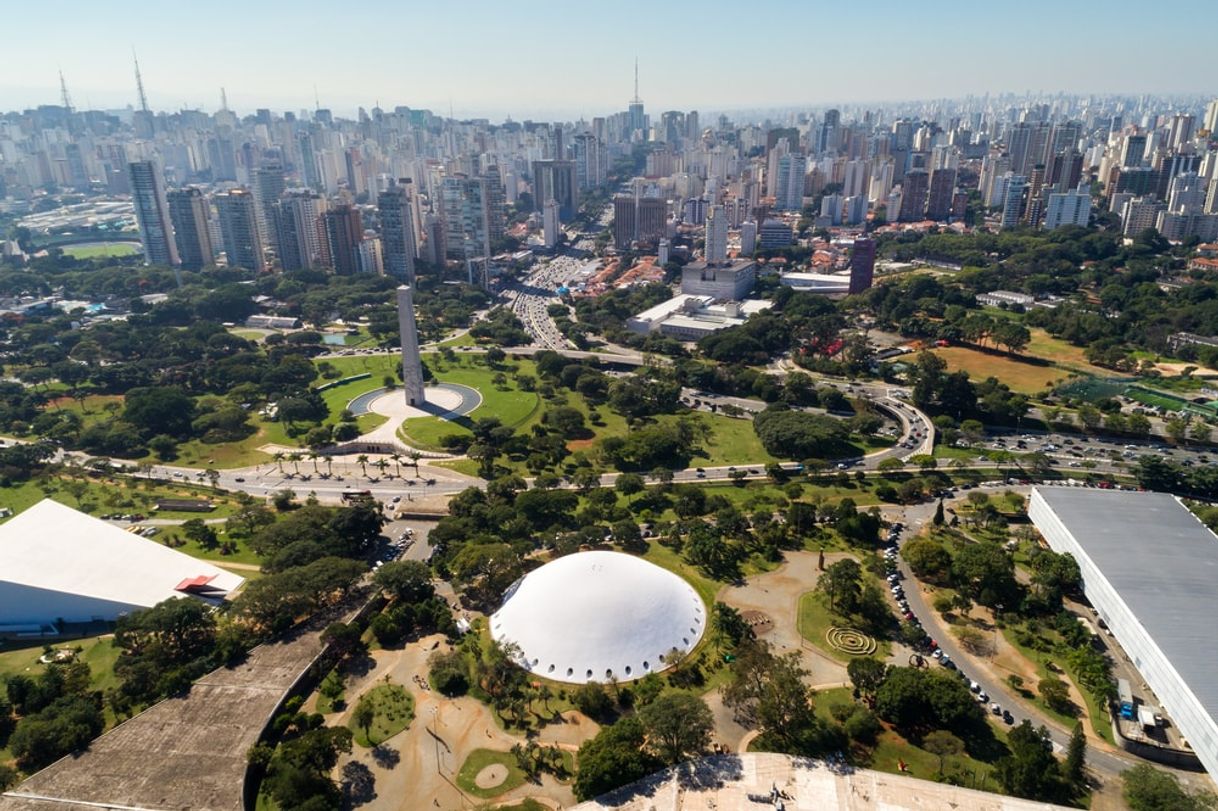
(431, 751)
(776, 594)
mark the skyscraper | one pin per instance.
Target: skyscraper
(299, 230)
(344, 232)
(914, 189)
(463, 207)
(496, 204)
(789, 185)
(942, 186)
(152, 213)
(651, 219)
(397, 230)
(269, 184)
(412, 364)
(555, 180)
(549, 224)
(862, 265)
(716, 235)
(239, 229)
(188, 210)
(1012, 204)
(625, 218)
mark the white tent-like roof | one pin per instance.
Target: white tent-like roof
(57, 563)
(594, 616)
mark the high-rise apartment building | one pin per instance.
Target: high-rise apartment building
(587, 149)
(299, 231)
(239, 229)
(397, 230)
(651, 219)
(496, 204)
(550, 228)
(463, 208)
(152, 213)
(789, 183)
(1068, 208)
(914, 189)
(269, 184)
(189, 213)
(942, 188)
(344, 233)
(1012, 203)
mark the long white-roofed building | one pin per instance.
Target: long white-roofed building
(59, 566)
(1150, 570)
(597, 616)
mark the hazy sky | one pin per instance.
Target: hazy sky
(541, 58)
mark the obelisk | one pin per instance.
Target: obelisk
(412, 364)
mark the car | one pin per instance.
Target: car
(936, 653)
(994, 708)
(701, 474)
(948, 663)
(700, 469)
(1007, 718)
(974, 686)
(239, 479)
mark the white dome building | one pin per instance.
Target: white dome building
(595, 616)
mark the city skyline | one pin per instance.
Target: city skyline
(826, 56)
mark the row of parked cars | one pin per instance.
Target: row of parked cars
(893, 573)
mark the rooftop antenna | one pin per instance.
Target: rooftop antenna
(139, 82)
(316, 99)
(63, 92)
(223, 100)
(636, 99)
(450, 108)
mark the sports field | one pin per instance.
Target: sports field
(101, 250)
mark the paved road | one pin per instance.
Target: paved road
(1107, 763)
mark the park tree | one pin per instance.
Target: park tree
(1146, 788)
(617, 755)
(407, 581)
(364, 714)
(1030, 771)
(842, 584)
(1074, 769)
(866, 674)
(929, 559)
(678, 725)
(942, 744)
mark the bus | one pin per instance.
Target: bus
(349, 496)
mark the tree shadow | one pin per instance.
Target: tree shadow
(386, 756)
(358, 785)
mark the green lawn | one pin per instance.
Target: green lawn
(99, 250)
(478, 760)
(128, 494)
(891, 747)
(98, 651)
(393, 708)
(1094, 710)
(815, 619)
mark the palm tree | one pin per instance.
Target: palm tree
(294, 458)
(397, 461)
(278, 459)
(362, 461)
(381, 464)
(329, 466)
(313, 456)
(414, 460)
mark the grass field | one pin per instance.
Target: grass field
(478, 760)
(393, 710)
(101, 250)
(98, 651)
(815, 619)
(1021, 375)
